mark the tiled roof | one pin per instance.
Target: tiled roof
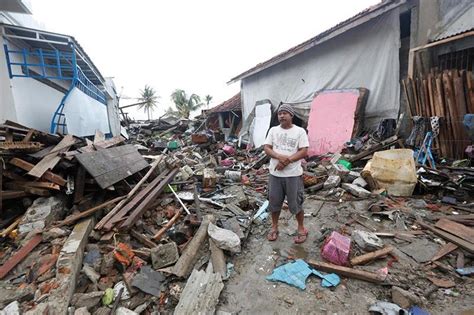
(232, 104)
(383, 6)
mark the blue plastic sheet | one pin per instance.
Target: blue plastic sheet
(295, 274)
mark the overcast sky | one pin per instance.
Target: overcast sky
(193, 45)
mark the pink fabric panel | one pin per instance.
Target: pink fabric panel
(331, 121)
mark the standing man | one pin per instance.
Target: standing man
(286, 144)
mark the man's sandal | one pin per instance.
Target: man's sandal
(272, 236)
(301, 237)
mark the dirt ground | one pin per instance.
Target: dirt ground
(248, 292)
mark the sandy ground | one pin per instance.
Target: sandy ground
(248, 292)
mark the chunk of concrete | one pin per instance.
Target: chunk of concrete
(88, 300)
(224, 239)
(239, 197)
(125, 311)
(53, 233)
(359, 181)
(367, 240)
(11, 294)
(41, 213)
(82, 311)
(164, 255)
(356, 190)
(91, 273)
(332, 182)
(404, 298)
(11, 309)
(148, 281)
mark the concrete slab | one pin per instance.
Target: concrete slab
(68, 267)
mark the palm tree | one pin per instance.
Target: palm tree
(184, 104)
(148, 99)
(207, 99)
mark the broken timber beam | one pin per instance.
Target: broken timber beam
(362, 259)
(449, 237)
(347, 272)
(143, 239)
(48, 175)
(145, 204)
(129, 195)
(443, 251)
(88, 212)
(20, 255)
(168, 225)
(122, 212)
(188, 258)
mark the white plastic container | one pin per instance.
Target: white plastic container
(394, 170)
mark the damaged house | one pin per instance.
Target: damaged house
(48, 82)
(371, 51)
(226, 116)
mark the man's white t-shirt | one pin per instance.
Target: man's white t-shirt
(287, 142)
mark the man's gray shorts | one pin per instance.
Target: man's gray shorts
(291, 187)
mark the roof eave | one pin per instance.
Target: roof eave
(331, 33)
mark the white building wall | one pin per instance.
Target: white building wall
(366, 56)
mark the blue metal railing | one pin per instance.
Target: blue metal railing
(54, 64)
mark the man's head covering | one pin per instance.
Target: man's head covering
(287, 108)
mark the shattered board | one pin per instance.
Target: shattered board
(334, 118)
(420, 250)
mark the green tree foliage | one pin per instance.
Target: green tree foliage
(184, 104)
(148, 99)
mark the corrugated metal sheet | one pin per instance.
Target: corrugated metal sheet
(459, 24)
(232, 104)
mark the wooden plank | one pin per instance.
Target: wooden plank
(451, 109)
(109, 215)
(53, 158)
(143, 239)
(149, 199)
(347, 272)
(48, 175)
(12, 194)
(470, 90)
(29, 135)
(20, 255)
(88, 212)
(362, 259)
(111, 165)
(444, 250)
(444, 131)
(79, 184)
(116, 217)
(11, 227)
(188, 258)
(457, 229)
(99, 136)
(106, 143)
(168, 225)
(449, 237)
(21, 146)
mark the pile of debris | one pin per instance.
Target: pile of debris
(108, 230)
(158, 224)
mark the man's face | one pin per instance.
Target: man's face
(285, 118)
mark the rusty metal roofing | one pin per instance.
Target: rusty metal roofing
(459, 24)
(232, 104)
(359, 18)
